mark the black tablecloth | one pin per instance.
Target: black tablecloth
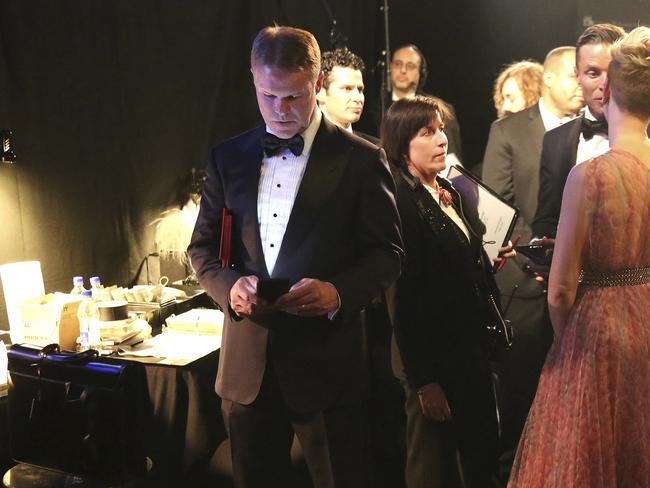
(5, 459)
(188, 425)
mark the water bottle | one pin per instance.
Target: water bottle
(96, 288)
(88, 316)
(78, 285)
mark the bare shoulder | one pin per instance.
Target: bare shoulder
(578, 173)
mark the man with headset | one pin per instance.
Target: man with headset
(408, 74)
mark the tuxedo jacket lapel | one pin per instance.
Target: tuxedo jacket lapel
(572, 141)
(247, 176)
(326, 165)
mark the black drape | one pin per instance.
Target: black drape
(112, 102)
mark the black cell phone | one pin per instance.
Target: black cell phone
(270, 289)
(538, 254)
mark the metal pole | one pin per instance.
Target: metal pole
(385, 79)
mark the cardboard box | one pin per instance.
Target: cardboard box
(51, 318)
(198, 321)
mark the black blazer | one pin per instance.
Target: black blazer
(343, 228)
(437, 305)
(559, 152)
(372, 139)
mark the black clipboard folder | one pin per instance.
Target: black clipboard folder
(480, 202)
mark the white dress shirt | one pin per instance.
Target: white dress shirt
(280, 179)
(597, 145)
(549, 119)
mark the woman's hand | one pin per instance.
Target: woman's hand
(505, 252)
(433, 402)
(508, 251)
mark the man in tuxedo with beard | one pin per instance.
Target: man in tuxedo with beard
(312, 204)
(584, 137)
(511, 168)
(408, 74)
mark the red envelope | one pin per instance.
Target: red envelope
(226, 238)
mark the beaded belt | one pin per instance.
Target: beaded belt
(621, 277)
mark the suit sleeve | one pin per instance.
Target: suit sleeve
(497, 163)
(549, 198)
(380, 248)
(204, 245)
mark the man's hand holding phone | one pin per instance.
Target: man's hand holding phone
(540, 255)
(244, 298)
(251, 296)
(310, 298)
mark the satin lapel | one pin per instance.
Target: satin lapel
(573, 140)
(327, 162)
(537, 129)
(247, 174)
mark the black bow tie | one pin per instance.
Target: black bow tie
(590, 128)
(273, 144)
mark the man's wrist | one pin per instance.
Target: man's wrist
(333, 313)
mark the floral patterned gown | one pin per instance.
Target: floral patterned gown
(589, 426)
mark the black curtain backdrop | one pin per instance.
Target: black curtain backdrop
(113, 102)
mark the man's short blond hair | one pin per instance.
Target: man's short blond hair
(286, 48)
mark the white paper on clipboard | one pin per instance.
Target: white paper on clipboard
(497, 216)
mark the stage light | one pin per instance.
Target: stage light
(7, 155)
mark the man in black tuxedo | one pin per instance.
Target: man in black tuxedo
(314, 205)
(511, 168)
(342, 101)
(584, 137)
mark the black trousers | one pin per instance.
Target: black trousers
(460, 453)
(333, 441)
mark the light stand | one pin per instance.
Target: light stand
(384, 63)
(337, 40)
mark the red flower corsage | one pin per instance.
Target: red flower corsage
(445, 196)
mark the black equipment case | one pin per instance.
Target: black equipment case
(78, 413)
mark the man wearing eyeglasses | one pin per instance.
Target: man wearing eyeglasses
(408, 74)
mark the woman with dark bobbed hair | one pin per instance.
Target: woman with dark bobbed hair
(440, 310)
